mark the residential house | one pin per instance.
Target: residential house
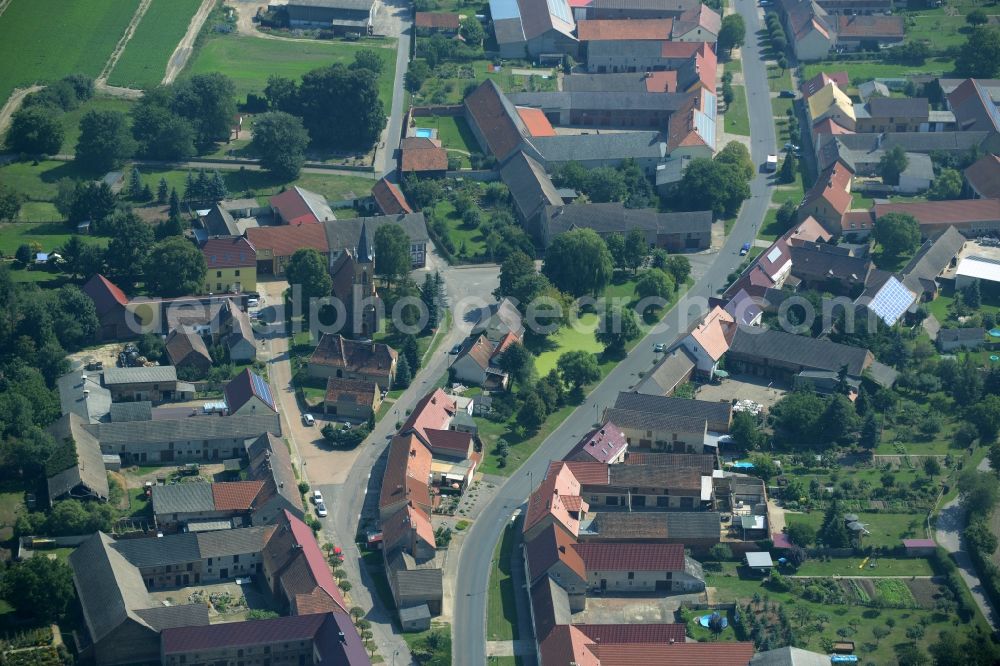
(343, 235)
(477, 364)
(85, 477)
(821, 80)
(717, 415)
(708, 340)
(231, 265)
(298, 205)
(269, 460)
(692, 131)
(671, 371)
(892, 114)
(499, 319)
(444, 23)
(640, 568)
(871, 89)
(340, 16)
(531, 190)
(950, 340)
(887, 297)
(697, 24)
(247, 394)
(975, 107)
(353, 399)
(234, 331)
(493, 120)
(336, 356)
(983, 177)
(113, 317)
(156, 383)
(389, 199)
(606, 444)
(606, 43)
(855, 32)
(422, 156)
(674, 231)
(972, 217)
(809, 28)
(81, 393)
(186, 349)
(218, 222)
(779, 355)
(640, 487)
(526, 30)
(188, 438)
(828, 267)
(275, 245)
(833, 103)
(829, 199)
(315, 638)
(922, 273)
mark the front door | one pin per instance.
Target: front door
(604, 584)
(223, 573)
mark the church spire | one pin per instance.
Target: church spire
(365, 251)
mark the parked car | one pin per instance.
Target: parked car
(253, 302)
(456, 349)
(307, 419)
(792, 147)
(787, 94)
(744, 249)
(659, 348)
(321, 509)
(771, 164)
(317, 497)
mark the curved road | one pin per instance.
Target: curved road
(469, 629)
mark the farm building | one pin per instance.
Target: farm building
(338, 15)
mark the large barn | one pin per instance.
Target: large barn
(338, 15)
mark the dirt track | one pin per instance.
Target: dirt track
(183, 51)
(123, 42)
(14, 102)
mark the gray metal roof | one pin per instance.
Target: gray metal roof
(354, 5)
(530, 187)
(789, 656)
(920, 166)
(810, 353)
(419, 583)
(131, 411)
(933, 257)
(614, 146)
(168, 617)
(152, 552)
(233, 542)
(608, 83)
(81, 393)
(668, 406)
(185, 429)
(625, 418)
(414, 613)
(89, 469)
(693, 525)
(183, 498)
(593, 100)
(151, 375)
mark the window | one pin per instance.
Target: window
(218, 274)
(236, 558)
(611, 500)
(631, 575)
(190, 567)
(662, 501)
(218, 286)
(237, 272)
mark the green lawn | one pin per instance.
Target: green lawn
(262, 184)
(441, 642)
(734, 66)
(461, 235)
(778, 79)
(49, 236)
(791, 192)
(579, 337)
(501, 608)
(11, 506)
(454, 134)
(71, 120)
(44, 40)
(937, 28)
(249, 61)
(862, 71)
(780, 107)
(449, 80)
(38, 211)
(737, 118)
(887, 529)
(861, 566)
(144, 61)
(37, 182)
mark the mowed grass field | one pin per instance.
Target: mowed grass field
(248, 61)
(44, 40)
(144, 61)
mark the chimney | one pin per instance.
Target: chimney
(340, 635)
(562, 549)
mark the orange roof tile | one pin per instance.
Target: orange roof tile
(662, 81)
(547, 500)
(422, 154)
(624, 29)
(284, 240)
(715, 332)
(680, 49)
(235, 495)
(432, 412)
(676, 654)
(833, 185)
(535, 121)
(389, 198)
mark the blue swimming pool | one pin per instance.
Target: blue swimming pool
(424, 133)
(743, 465)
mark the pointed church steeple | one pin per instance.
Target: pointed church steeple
(365, 251)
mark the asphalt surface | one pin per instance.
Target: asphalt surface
(396, 113)
(469, 627)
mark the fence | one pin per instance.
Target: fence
(442, 110)
(482, 175)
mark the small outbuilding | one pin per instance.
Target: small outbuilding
(919, 547)
(952, 339)
(759, 561)
(415, 618)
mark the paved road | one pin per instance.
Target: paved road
(397, 112)
(948, 534)
(469, 628)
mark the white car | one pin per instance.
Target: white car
(317, 497)
(659, 348)
(308, 420)
(253, 302)
(321, 509)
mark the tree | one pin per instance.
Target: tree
(947, 185)
(977, 491)
(839, 420)
(720, 552)
(738, 155)
(175, 267)
(578, 367)
(307, 268)
(578, 262)
(518, 362)
(23, 254)
(801, 534)
(162, 192)
(746, 432)
(368, 59)
(403, 375)
(785, 217)
(35, 130)
(654, 283)
(871, 432)
(411, 351)
(392, 252)
(834, 533)
(159, 132)
(39, 587)
(679, 267)
(897, 233)
(175, 204)
(617, 327)
(418, 72)
(532, 413)
(796, 417)
(280, 140)
(894, 162)
(636, 249)
(105, 141)
(514, 271)
(713, 185)
(340, 107)
(787, 172)
(986, 417)
(616, 246)
(130, 244)
(972, 295)
(732, 34)
(282, 94)
(74, 317)
(605, 184)
(763, 466)
(208, 102)
(472, 31)
(977, 17)
(979, 57)
(10, 203)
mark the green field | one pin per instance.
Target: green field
(501, 608)
(737, 118)
(862, 71)
(248, 61)
(778, 79)
(570, 338)
(887, 529)
(71, 119)
(38, 181)
(144, 61)
(860, 566)
(49, 236)
(44, 40)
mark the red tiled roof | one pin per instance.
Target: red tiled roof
(421, 154)
(229, 253)
(550, 546)
(830, 126)
(236, 634)
(105, 294)
(984, 176)
(432, 412)
(450, 440)
(870, 27)
(945, 212)
(608, 634)
(602, 444)
(551, 498)
(407, 472)
(318, 566)
(566, 644)
(497, 120)
(677, 654)
(832, 185)
(706, 64)
(235, 495)
(439, 20)
(359, 391)
(292, 206)
(631, 556)
(389, 198)
(535, 121)
(624, 29)
(820, 81)
(587, 473)
(371, 358)
(679, 49)
(285, 239)
(662, 81)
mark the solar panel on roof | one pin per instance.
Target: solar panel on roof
(773, 255)
(504, 9)
(560, 9)
(262, 390)
(891, 301)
